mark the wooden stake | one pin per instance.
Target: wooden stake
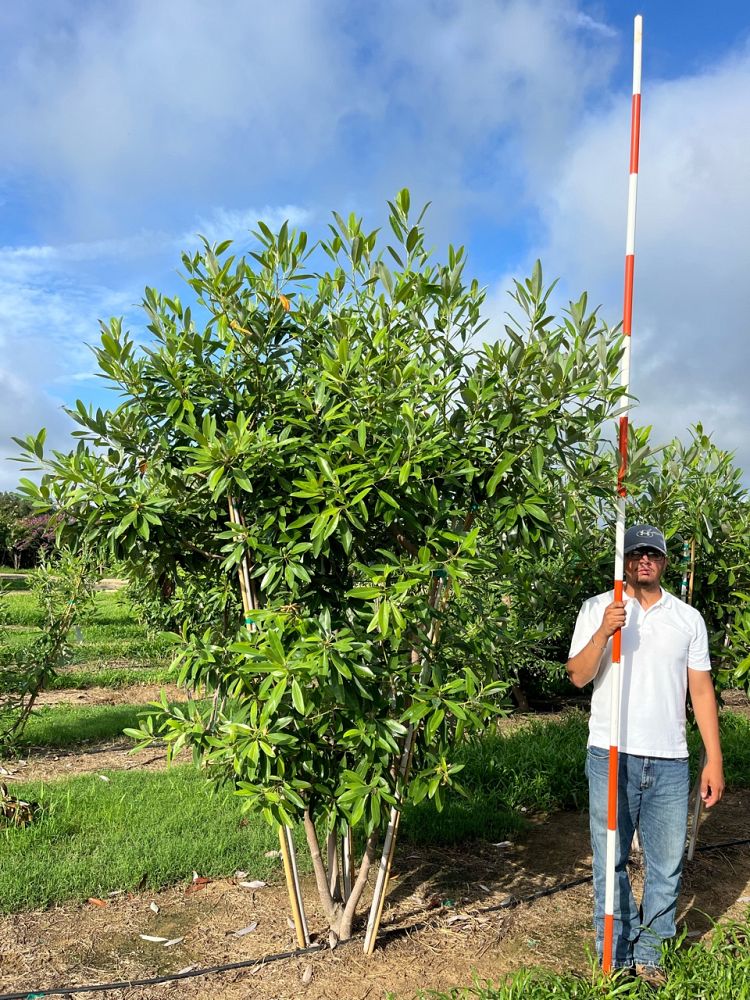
(389, 845)
(333, 866)
(346, 863)
(250, 603)
(293, 887)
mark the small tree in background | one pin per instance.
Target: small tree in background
(32, 538)
(13, 509)
(368, 442)
(694, 491)
(63, 588)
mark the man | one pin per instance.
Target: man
(664, 654)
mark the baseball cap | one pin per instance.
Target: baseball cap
(644, 535)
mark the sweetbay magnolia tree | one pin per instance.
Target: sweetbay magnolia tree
(363, 436)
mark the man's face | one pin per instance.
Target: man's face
(644, 566)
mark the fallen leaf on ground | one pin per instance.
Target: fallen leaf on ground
(198, 883)
(307, 975)
(154, 907)
(272, 854)
(245, 930)
(239, 874)
(174, 941)
(103, 777)
(153, 939)
(290, 923)
(96, 902)
(257, 884)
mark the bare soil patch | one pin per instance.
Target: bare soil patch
(444, 922)
(115, 755)
(736, 701)
(134, 694)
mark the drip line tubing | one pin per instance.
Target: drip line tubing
(507, 904)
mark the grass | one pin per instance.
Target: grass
(533, 769)
(64, 726)
(151, 819)
(136, 830)
(110, 677)
(716, 970)
(16, 581)
(107, 638)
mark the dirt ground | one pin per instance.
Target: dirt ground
(444, 923)
(446, 918)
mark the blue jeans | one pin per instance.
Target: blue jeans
(652, 795)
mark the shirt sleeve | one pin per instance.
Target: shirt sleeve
(698, 656)
(583, 631)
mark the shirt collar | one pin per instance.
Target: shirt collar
(664, 601)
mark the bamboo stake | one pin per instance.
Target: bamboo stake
(346, 863)
(389, 844)
(293, 887)
(333, 866)
(250, 603)
(616, 678)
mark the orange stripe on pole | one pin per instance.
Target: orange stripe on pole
(617, 636)
(635, 133)
(627, 314)
(609, 933)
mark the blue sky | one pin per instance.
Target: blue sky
(130, 125)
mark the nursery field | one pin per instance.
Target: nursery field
(129, 870)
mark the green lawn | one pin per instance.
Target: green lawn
(141, 827)
(718, 970)
(109, 648)
(64, 726)
(136, 830)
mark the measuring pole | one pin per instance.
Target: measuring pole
(249, 604)
(627, 317)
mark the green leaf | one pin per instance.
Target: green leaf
(297, 698)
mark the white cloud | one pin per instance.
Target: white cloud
(136, 108)
(690, 328)
(238, 224)
(51, 301)
(131, 105)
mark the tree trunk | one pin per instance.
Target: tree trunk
(340, 917)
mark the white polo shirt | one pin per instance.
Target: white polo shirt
(659, 646)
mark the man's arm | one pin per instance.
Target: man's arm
(584, 666)
(702, 696)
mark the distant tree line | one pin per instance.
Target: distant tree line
(24, 535)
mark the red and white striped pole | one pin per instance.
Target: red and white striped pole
(627, 316)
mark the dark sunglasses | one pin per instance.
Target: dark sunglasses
(652, 554)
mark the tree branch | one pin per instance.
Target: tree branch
(329, 907)
(345, 924)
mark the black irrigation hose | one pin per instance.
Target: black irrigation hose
(507, 904)
(157, 980)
